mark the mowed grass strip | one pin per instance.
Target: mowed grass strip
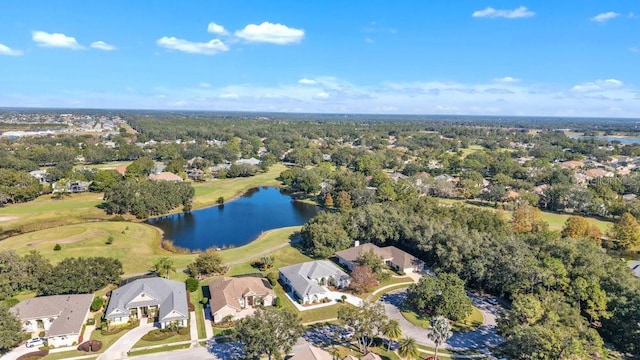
(136, 245)
(207, 193)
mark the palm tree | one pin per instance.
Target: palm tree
(392, 331)
(440, 331)
(408, 348)
(164, 265)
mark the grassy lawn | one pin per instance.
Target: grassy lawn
(470, 150)
(390, 281)
(471, 322)
(343, 351)
(268, 240)
(196, 296)
(169, 340)
(377, 296)
(207, 193)
(45, 212)
(160, 349)
(67, 355)
(136, 245)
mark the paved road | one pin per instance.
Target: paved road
(480, 339)
(17, 352)
(120, 348)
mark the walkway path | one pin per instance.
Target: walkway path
(120, 348)
(193, 329)
(208, 329)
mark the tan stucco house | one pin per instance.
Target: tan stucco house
(392, 256)
(237, 297)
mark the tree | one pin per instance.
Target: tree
(328, 200)
(207, 263)
(575, 227)
(10, 329)
(408, 348)
(80, 276)
(363, 279)
(323, 235)
(443, 294)
(192, 284)
(164, 265)
(439, 332)
(268, 331)
(528, 219)
(366, 321)
(626, 232)
(392, 331)
(372, 261)
(343, 201)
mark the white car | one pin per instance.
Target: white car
(35, 342)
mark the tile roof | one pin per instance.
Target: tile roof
(169, 295)
(166, 176)
(70, 310)
(311, 352)
(226, 291)
(301, 275)
(398, 257)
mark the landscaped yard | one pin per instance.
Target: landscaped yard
(159, 349)
(167, 340)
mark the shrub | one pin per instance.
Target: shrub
(109, 240)
(279, 303)
(220, 200)
(11, 302)
(273, 278)
(192, 284)
(97, 303)
(90, 346)
(57, 247)
(204, 300)
(118, 218)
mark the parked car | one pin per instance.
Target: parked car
(36, 342)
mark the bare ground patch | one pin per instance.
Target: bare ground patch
(7, 218)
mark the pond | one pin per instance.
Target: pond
(237, 222)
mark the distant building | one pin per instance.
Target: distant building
(391, 256)
(165, 176)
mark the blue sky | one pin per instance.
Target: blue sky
(559, 58)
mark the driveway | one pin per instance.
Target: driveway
(17, 352)
(120, 348)
(483, 337)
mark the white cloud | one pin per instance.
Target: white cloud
(101, 45)
(5, 50)
(229, 96)
(207, 48)
(204, 85)
(322, 95)
(521, 12)
(507, 79)
(305, 81)
(604, 17)
(60, 40)
(635, 49)
(369, 40)
(217, 29)
(270, 33)
(598, 85)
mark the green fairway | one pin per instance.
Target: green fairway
(136, 245)
(207, 193)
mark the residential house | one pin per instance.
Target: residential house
(306, 280)
(41, 175)
(78, 186)
(165, 176)
(311, 352)
(60, 317)
(573, 164)
(251, 161)
(371, 356)
(392, 256)
(237, 297)
(161, 299)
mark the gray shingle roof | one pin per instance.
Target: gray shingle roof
(70, 310)
(169, 295)
(301, 276)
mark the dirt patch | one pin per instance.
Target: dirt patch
(7, 218)
(68, 240)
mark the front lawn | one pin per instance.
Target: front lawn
(163, 338)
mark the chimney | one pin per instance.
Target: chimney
(356, 243)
